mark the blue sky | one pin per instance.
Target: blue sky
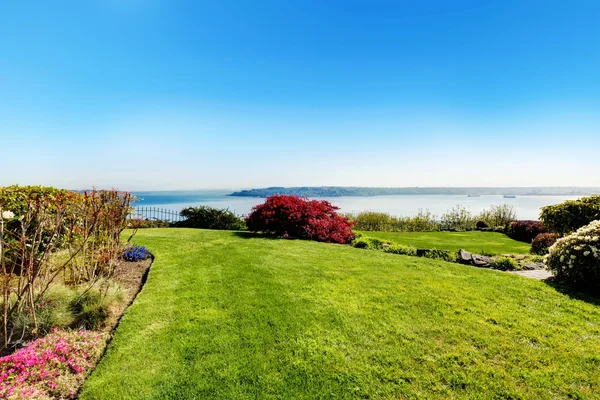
(191, 94)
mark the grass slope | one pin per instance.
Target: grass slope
(228, 317)
(476, 242)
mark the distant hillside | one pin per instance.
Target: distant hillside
(336, 191)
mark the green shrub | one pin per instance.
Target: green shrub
(443, 255)
(459, 218)
(362, 241)
(542, 242)
(497, 215)
(571, 215)
(205, 217)
(505, 263)
(575, 259)
(400, 249)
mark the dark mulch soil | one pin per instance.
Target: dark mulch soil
(132, 276)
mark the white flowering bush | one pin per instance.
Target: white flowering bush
(575, 259)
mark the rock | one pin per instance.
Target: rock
(481, 261)
(464, 257)
(534, 266)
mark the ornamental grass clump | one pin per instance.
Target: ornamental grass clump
(575, 259)
(51, 367)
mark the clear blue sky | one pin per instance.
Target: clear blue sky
(192, 94)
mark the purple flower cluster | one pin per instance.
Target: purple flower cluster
(135, 253)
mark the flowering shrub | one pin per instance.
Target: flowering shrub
(524, 230)
(575, 259)
(52, 367)
(571, 215)
(135, 253)
(542, 242)
(295, 217)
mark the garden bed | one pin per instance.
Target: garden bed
(56, 365)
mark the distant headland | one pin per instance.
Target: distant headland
(337, 191)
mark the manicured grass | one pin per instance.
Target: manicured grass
(476, 242)
(224, 316)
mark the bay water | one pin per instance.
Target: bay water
(527, 207)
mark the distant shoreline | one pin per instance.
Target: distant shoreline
(339, 191)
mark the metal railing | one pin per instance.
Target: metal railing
(156, 214)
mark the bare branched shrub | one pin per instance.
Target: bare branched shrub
(48, 234)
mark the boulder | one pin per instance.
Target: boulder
(481, 261)
(464, 257)
(534, 266)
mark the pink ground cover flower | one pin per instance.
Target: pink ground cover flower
(51, 367)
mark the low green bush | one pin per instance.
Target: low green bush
(575, 259)
(400, 249)
(505, 263)
(205, 217)
(362, 241)
(437, 254)
(571, 215)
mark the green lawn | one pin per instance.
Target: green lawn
(475, 242)
(224, 316)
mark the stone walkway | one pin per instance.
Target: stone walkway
(540, 274)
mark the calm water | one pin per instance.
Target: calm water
(527, 207)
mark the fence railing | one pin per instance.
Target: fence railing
(156, 214)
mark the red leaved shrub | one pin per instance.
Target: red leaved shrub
(524, 230)
(542, 242)
(295, 217)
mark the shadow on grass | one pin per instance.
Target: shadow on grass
(588, 295)
(252, 235)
